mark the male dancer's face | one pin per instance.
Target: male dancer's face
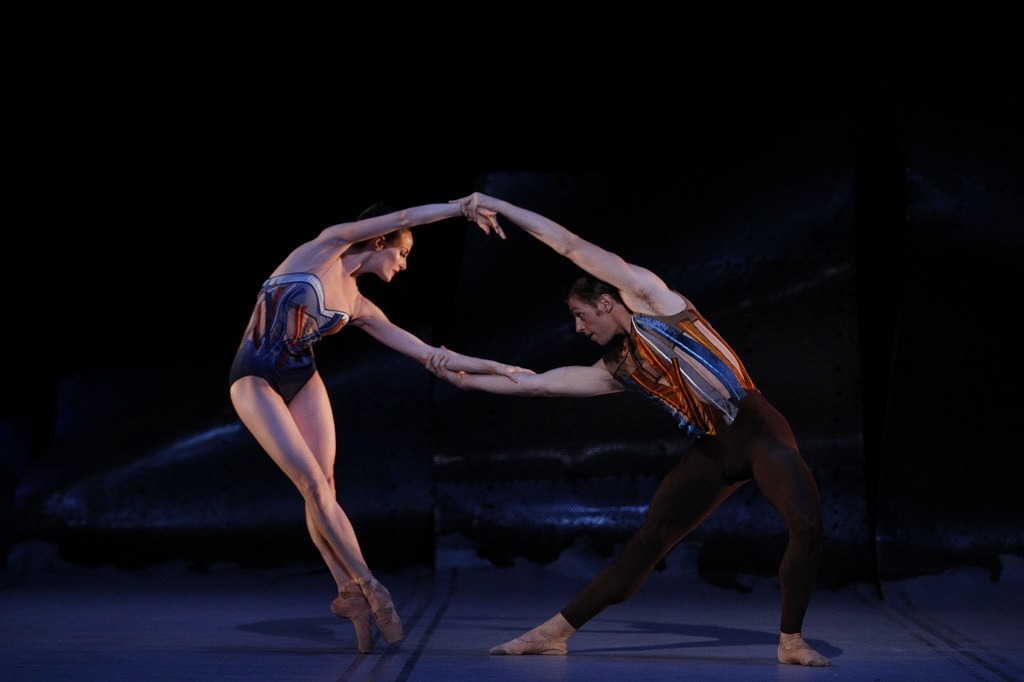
(594, 319)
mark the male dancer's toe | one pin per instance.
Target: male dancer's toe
(548, 638)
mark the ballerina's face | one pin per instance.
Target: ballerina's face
(393, 257)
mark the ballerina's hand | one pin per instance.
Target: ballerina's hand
(510, 371)
(485, 218)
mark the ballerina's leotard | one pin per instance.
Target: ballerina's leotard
(289, 317)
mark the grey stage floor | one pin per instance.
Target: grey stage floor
(172, 622)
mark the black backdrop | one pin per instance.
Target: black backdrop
(851, 223)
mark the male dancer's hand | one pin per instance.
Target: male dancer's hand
(485, 218)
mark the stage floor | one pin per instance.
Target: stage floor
(174, 622)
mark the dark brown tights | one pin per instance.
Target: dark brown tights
(758, 445)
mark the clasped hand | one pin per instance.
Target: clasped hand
(485, 218)
(437, 364)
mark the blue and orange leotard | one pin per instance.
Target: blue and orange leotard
(289, 317)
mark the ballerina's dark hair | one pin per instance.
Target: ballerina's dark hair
(374, 210)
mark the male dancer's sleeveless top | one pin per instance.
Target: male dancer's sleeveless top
(683, 365)
(289, 317)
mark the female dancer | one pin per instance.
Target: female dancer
(665, 350)
(281, 398)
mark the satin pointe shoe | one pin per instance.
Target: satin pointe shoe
(388, 623)
(350, 603)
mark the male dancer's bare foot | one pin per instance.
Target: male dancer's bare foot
(548, 638)
(794, 650)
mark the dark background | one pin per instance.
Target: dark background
(847, 212)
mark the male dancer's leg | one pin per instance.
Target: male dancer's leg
(685, 497)
(788, 485)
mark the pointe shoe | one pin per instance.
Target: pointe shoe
(388, 623)
(794, 650)
(350, 603)
(547, 639)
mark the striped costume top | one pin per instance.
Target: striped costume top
(682, 364)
